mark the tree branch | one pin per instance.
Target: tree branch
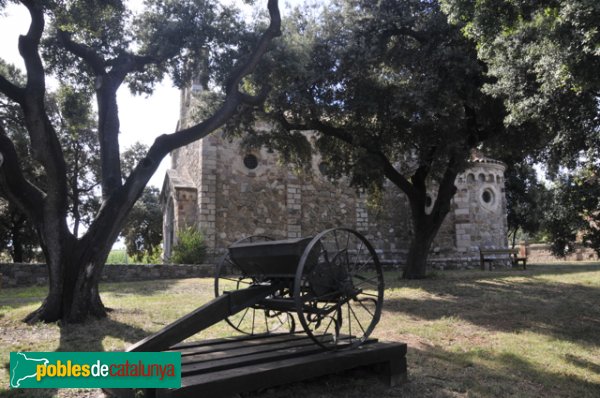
(245, 68)
(95, 61)
(19, 191)
(389, 170)
(256, 99)
(12, 91)
(166, 143)
(419, 177)
(44, 142)
(120, 66)
(116, 207)
(127, 62)
(447, 187)
(107, 84)
(28, 48)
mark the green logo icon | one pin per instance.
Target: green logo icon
(23, 367)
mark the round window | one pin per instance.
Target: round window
(487, 197)
(250, 161)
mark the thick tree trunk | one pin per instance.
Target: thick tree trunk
(17, 251)
(74, 269)
(74, 297)
(416, 261)
(426, 226)
(108, 128)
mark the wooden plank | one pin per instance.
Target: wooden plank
(253, 358)
(203, 317)
(499, 251)
(223, 340)
(248, 349)
(248, 378)
(232, 344)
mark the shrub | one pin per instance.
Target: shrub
(118, 256)
(190, 247)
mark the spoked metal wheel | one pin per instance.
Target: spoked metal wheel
(252, 320)
(338, 289)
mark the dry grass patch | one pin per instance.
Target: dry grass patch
(470, 333)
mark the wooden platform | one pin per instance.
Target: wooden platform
(220, 368)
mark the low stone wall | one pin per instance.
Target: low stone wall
(454, 263)
(396, 260)
(541, 253)
(17, 275)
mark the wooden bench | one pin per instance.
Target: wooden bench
(489, 256)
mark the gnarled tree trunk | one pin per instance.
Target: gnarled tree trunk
(426, 226)
(74, 269)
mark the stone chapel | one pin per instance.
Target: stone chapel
(230, 193)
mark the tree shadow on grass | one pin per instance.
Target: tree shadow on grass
(14, 298)
(562, 310)
(562, 268)
(90, 335)
(149, 287)
(86, 337)
(489, 373)
(435, 372)
(583, 363)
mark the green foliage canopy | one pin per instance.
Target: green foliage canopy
(527, 200)
(574, 211)
(392, 74)
(544, 58)
(391, 91)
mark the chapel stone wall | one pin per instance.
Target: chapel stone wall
(234, 200)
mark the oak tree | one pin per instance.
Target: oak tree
(99, 46)
(543, 60)
(393, 93)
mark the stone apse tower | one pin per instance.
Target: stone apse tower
(230, 193)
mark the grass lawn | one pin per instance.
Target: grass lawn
(533, 333)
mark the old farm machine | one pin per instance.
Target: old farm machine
(301, 306)
(332, 284)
